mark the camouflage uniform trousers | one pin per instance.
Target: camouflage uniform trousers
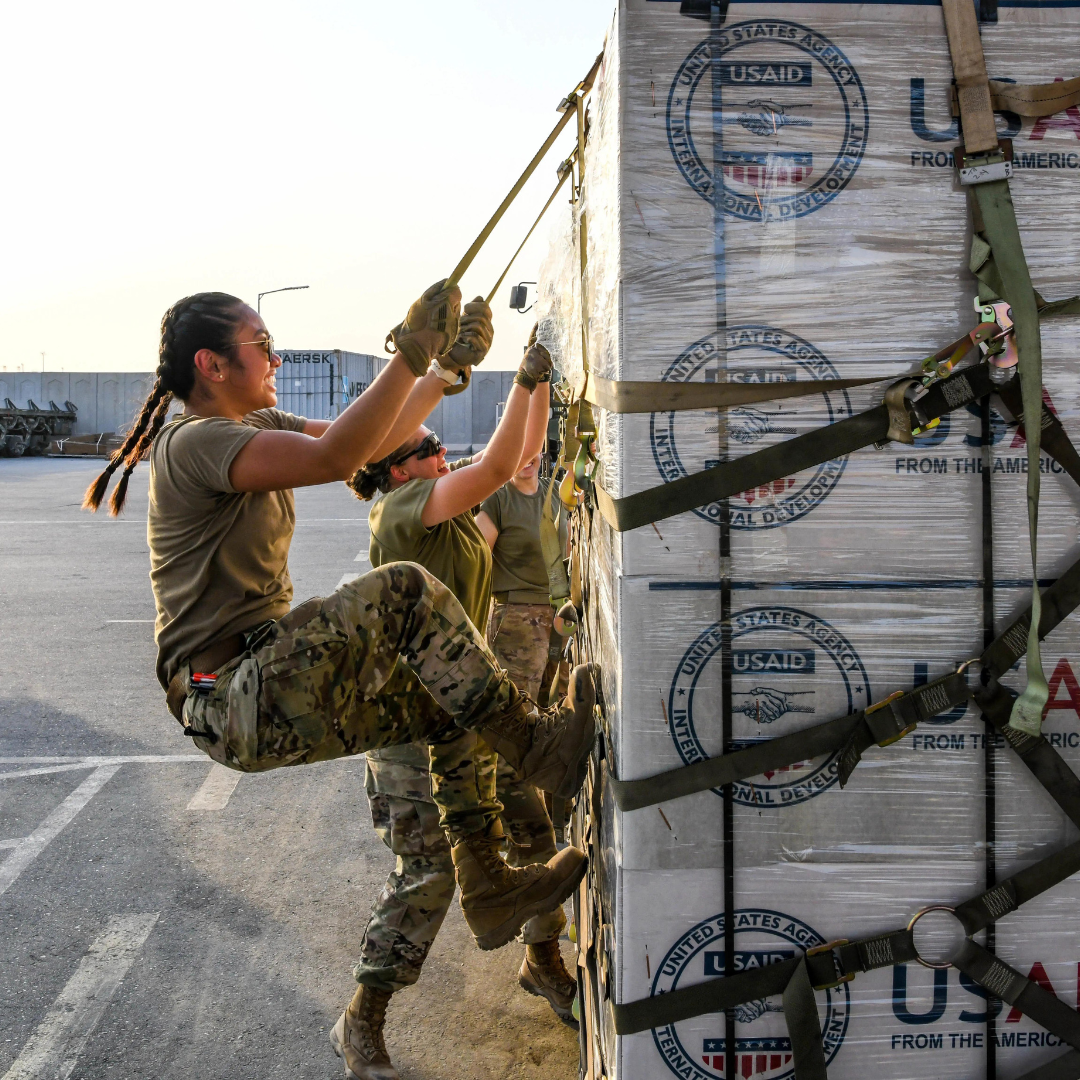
(418, 893)
(325, 681)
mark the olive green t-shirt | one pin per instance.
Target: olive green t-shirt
(219, 558)
(518, 558)
(456, 552)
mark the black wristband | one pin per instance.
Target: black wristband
(546, 377)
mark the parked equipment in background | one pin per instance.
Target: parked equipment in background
(29, 431)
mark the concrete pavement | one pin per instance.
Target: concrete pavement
(157, 919)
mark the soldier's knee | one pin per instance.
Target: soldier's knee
(407, 580)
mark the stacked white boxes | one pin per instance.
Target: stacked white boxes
(824, 133)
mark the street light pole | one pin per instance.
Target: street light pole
(288, 288)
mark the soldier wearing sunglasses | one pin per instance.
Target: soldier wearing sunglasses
(425, 515)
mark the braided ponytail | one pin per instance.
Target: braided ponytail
(202, 321)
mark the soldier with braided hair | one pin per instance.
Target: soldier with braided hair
(389, 658)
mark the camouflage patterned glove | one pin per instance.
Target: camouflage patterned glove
(536, 366)
(473, 339)
(430, 326)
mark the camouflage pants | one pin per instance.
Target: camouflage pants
(420, 889)
(325, 681)
(519, 634)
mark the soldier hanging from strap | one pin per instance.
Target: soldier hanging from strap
(425, 514)
(257, 685)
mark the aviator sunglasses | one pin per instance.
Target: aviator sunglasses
(267, 343)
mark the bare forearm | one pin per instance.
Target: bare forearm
(503, 452)
(426, 394)
(354, 437)
(536, 426)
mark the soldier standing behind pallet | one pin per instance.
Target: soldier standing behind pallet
(521, 620)
(426, 515)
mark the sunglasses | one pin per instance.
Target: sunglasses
(267, 343)
(430, 446)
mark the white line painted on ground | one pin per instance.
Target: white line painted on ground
(53, 1050)
(216, 789)
(345, 579)
(34, 844)
(362, 557)
(98, 759)
(45, 770)
(148, 621)
(11, 843)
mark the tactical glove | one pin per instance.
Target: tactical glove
(535, 367)
(429, 328)
(473, 338)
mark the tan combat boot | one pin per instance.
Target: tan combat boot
(548, 747)
(497, 900)
(544, 974)
(357, 1037)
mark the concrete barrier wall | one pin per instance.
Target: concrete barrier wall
(110, 400)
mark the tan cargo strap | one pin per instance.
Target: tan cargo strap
(1029, 99)
(569, 109)
(565, 170)
(646, 397)
(972, 83)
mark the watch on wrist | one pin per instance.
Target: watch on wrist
(448, 375)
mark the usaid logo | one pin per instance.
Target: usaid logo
(788, 667)
(688, 442)
(694, 1049)
(778, 111)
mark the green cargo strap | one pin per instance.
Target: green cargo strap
(1029, 99)
(1002, 981)
(892, 719)
(1002, 233)
(1038, 756)
(647, 397)
(1055, 440)
(980, 911)
(714, 995)
(853, 733)
(1066, 1067)
(789, 457)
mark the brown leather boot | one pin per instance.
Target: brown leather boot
(548, 747)
(357, 1037)
(544, 974)
(496, 899)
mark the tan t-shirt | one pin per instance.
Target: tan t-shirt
(519, 567)
(219, 558)
(456, 552)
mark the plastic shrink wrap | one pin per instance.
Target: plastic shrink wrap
(775, 200)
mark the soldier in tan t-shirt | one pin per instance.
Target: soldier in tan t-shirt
(257, 685)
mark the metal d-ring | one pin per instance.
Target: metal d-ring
(962, 668)
(911, 926)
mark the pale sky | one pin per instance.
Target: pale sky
(155, 150)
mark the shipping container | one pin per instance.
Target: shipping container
(320, 383)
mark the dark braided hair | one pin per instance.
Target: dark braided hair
(206, 320)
